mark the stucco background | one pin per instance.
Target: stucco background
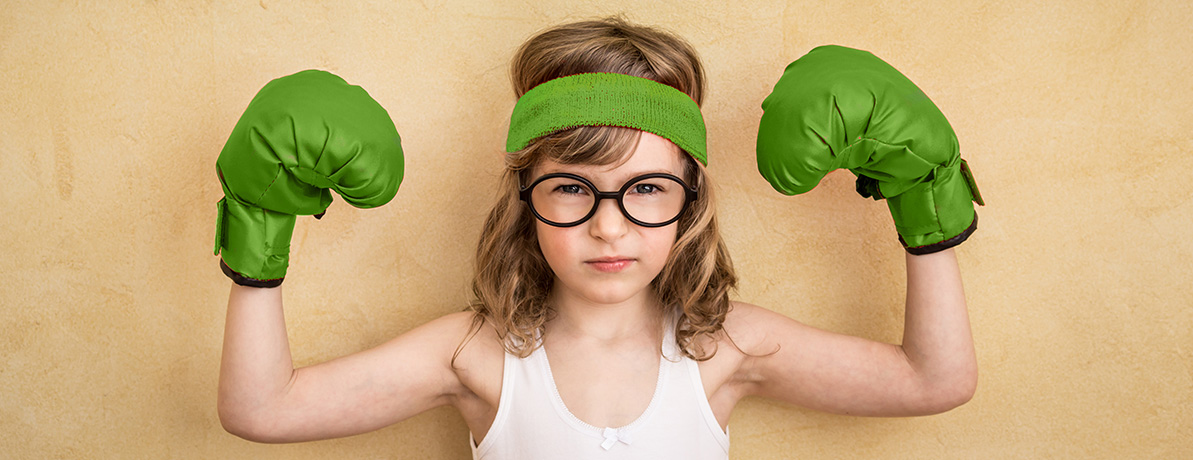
(1074, 116)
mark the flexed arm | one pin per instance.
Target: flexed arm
(934, 369)
(844, 108)
(263, 398)
(301, 136)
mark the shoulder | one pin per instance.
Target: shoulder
(728, 375)
(742, 333)
(462, 359)
(751, 334)
(746, 325)
(465, 338)
(475, 354)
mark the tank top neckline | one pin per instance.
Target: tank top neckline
(622, 433)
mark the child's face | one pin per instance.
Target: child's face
(609, 259)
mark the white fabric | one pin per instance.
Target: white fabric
(532, 421)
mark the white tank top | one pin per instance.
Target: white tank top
(533, 423)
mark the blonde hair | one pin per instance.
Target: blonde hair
(512, 278)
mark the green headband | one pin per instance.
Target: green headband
(608, 99)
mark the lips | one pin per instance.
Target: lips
(609, 259)
(610, 264)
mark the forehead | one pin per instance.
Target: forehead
(652, 154)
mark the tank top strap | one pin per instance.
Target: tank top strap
(670, 349)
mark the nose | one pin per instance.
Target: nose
(608, 223)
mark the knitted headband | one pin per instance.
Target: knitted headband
(608, 99)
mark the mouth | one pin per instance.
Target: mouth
(610, 264)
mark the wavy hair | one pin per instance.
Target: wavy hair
(512, 279)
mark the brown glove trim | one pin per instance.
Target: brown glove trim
(245, 281)
(937, 247)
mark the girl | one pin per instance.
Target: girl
(601, 325)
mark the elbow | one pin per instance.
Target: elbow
(236, 427)
(245, 424)
(248, 429)
(951, 393)
(236, 422)
(957, 395)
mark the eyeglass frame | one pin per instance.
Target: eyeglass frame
(690, 195)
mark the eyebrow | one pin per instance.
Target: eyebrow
(624, 178)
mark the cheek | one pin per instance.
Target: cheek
(659, 243)
(552, 242)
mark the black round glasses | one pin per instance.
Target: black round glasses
(567, 200)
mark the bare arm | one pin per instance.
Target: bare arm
(933, 371)
(255, 364)
(263, 398)
(937, 340)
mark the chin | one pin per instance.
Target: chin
(607, 298)
(612, 293)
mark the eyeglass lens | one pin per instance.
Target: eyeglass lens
(652, 200)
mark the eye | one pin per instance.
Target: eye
(570, 189)
(646, 189)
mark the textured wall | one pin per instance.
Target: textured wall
(1074, 117)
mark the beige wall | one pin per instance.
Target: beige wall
(1075, 118)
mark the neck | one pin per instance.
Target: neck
(637, 318)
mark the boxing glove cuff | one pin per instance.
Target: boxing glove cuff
(937, 213)
(254, 242)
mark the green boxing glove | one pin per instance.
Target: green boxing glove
(301, 135)
(838, 107)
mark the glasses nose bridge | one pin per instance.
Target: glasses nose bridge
(601, 196)
(603, 224)
(615, 196)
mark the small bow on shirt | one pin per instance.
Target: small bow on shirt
(612, 436)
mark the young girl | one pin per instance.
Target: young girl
(601, 325)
